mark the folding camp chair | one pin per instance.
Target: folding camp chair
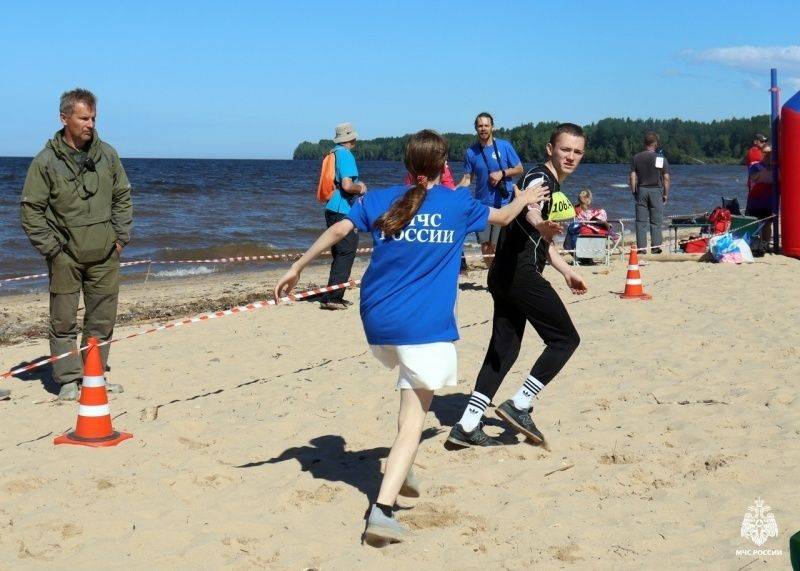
(741, 225)
(598, 247)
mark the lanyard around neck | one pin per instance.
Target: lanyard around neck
(496, 153)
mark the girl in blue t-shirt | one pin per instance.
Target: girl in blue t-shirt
(408, 295)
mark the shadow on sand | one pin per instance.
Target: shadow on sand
(326, 458)
(43, 374)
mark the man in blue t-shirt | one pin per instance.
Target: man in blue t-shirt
(347, 190)
(493, 163)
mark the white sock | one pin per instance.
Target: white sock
(524, 397)
(474, 411)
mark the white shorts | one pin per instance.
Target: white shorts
(426, 366)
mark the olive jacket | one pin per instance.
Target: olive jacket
(82, 209)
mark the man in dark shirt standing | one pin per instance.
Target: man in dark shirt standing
(649, 182)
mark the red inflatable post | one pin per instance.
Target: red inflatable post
(790, 177)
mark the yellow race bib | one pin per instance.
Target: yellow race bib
(560, 207)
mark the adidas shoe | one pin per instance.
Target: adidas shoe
(520, 420)
(476, 437)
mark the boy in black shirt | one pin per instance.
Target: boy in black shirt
(521, 294)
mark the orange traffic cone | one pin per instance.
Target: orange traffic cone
(633, 282)
(94, 417)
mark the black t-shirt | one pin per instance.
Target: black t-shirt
(521, 251)
(646, 169)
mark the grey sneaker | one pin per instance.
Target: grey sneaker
(114, 388)
(69, 391)
(332, 306)
(411, 487)
(383, 528)
(520, 420)
(5, 394)
(476, 437)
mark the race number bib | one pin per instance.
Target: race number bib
(560, 208)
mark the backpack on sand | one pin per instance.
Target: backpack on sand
(327, 177)
(720, 219)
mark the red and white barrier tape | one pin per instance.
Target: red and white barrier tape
(247, 258)
(238, 259)
(20, 278)
(197, 319)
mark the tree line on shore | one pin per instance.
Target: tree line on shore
(609, 141)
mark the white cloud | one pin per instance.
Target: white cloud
(751, 58)
(755, 62)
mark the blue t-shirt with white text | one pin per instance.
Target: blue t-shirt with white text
(408, 292)
(475, 165)
(340, 201)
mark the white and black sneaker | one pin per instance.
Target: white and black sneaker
(520, 420)
(476, 437)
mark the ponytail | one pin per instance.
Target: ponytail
(403, 210)
(426, 154)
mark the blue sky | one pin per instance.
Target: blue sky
(252, 79)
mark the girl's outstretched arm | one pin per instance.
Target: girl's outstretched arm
(331, 236)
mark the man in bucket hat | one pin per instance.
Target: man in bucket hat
(347, 190)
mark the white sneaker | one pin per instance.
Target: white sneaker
(383, 528)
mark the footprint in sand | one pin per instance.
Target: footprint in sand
(438, 491)
(104, 484)
(24, 552)
(325, 494)
(426, 515)
(24, 486)
(70, 530)
(566, 553)
(710, 464)
(213, 481)
(240, 542)
(193, 444)
(618, 458)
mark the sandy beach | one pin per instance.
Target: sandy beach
(258, 438)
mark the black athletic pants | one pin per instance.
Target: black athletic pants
(344, 253)
(538, 303)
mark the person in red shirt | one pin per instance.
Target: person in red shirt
(755, 154)
(447, 177)
(759, 192)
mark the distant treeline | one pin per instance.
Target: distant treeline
(609, 141)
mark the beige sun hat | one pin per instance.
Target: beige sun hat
(345, 133)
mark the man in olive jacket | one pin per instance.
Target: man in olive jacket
(77, 212)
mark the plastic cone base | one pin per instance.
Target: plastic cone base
(641, 296)
(112, 440)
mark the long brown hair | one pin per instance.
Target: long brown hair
(426, 153)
